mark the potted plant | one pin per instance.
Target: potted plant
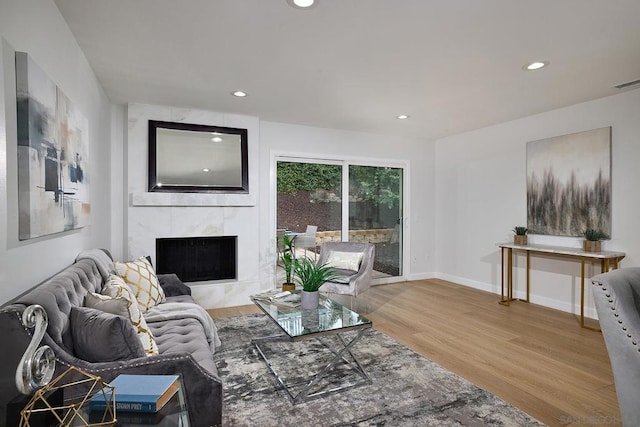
(286, 256)
(592, 240)
(520, 238)
(311, 276)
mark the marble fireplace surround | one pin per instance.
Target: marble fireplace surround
(161, 215)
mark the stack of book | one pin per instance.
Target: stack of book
(137, 393)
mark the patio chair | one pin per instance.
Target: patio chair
(307, 240)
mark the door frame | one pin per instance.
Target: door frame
(346, 161)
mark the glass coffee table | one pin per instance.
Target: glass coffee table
(330, 319)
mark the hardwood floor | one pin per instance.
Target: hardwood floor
(535, 358)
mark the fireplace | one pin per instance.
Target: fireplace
(196, 259)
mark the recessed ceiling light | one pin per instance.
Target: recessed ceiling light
(206, 170)
(301, 4)
(402, 117)
(216, 139)
(535, 65)
(239, 94)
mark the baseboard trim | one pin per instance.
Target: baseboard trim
(589, 312)
(469, 283)
(421, 276)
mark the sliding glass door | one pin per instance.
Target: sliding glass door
(310, 193)
(375, 214)
(309, 196)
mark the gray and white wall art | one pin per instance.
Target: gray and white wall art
(569, 183)
(53, 144)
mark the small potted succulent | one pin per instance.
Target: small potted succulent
(286, 256)
(592, 239)
(311, 276)
(520, 237)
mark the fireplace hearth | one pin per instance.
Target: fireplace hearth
(196, 259)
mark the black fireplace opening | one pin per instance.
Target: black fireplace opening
(196, 259)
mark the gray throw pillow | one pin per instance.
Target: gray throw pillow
(103, 337)
(343, 276)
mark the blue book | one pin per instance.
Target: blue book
(137, 393)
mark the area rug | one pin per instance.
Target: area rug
(407, 389)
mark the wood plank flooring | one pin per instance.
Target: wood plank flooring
(535, 358)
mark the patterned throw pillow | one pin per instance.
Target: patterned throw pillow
(117, 298)
(141, 278)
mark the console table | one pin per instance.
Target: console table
(607, 259)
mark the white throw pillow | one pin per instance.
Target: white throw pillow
(117, 298)
(141, 278)
(345, 260)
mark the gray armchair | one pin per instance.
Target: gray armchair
(349, 282)
(617, 299)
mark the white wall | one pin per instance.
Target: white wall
(36, 27)
(119, 194)
(481, 196)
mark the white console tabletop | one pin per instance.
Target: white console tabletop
(564, 250)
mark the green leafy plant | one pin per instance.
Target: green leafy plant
(378, 184)
(520, 231)
(286, 256)
(310, 275)
(593, 235)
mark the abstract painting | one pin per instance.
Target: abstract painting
(53, 143)
(569, 183)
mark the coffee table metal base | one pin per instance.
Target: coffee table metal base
(340, 354)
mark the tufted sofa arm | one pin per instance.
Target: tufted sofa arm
(201, 387)
(617, 299)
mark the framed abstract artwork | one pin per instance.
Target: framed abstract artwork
(569, 183)
(53, 144)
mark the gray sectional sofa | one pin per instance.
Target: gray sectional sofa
(183, 341)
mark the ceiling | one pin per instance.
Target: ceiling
(452, 65)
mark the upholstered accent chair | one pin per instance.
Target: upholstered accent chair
(617, 299)
(354, 265)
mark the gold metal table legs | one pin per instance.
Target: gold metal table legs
(605, 265)
(507, 291)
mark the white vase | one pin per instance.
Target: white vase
(309, 300)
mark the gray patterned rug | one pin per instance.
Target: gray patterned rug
(407, 389)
